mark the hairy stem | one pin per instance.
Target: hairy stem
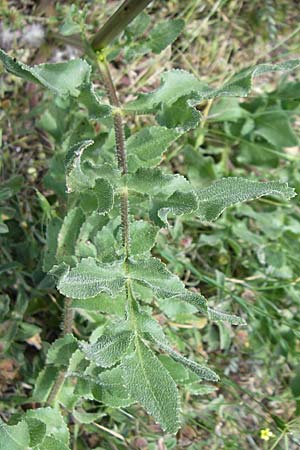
(128, 10)
(67, 328)
(120, 147)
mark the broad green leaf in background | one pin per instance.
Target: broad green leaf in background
(54, 421)
(50, 443)
(37, 430)
(274, 127)
(229, 191)
(15, 437)
(150, 384)
(163, 34)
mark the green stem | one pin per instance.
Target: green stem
(128, 10)
(120, 147)
(67, 328)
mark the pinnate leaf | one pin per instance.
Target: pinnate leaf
(150, 384)
(229, 191)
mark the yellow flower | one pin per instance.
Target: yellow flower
(266, 434)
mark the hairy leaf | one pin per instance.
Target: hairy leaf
(152, 386)
(179, 84)
(15, 437)
(108, 349)
(142, 235)
(76, 179)
(88, 279)
(148, 325)
(54, 421)
(100, 198)
(146, 147)
(63, 78)
(68, 234)
(37, 430)
(155, 275)
(229, 191)
(109, 388)
(61, 351)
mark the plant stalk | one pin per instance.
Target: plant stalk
(120, 147)
(128, 10)
(67, 328)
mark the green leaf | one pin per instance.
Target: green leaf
(63, 78)
(37, 431)
(102, 303)
(274, 126)
(76, 179)
(229, 191)
(84, 246)
(100, 198)
(154, 274)
(61, 351)
(53, 229)
(170, 194)
(155, 182)
(164, 33)
(88, 279)
(15, 437)
(108, 349)
(91, 101)
(177, 204)
(109, 389)
(68, 234)
(224, 317)
(142, 237)
(148, 325)
(50, 443)
(53, 420)
(179, 84)
(174, 85)
(44, 383)
(146, 147)
(152, 386)
(177, 371)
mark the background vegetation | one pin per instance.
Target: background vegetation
(247, 262)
